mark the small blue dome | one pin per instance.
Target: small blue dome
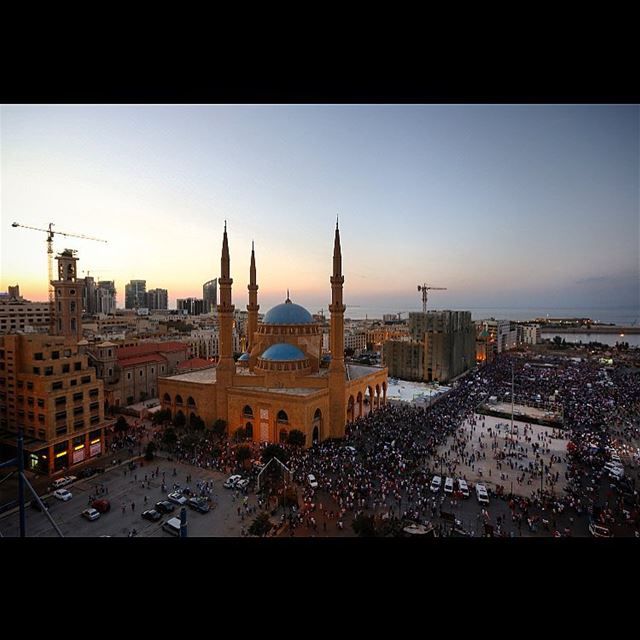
(288, 313)
(283, 351)
(244, 357)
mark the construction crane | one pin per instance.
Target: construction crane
(425, 290)
(50, 233)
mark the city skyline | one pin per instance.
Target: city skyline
(505, 205)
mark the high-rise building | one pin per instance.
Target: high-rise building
(89, 296)
(106, 297)
(441, 347)
(18, 314)
(157, 299)
(193, 306)
(210, 295)
(135, 294)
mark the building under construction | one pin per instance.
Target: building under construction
(441, 346)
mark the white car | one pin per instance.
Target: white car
(91, 514)
(448, 485)
(62, 494)
(242, 483)
(177, 498)
(230, 482)
(435, 484)
(311, 479)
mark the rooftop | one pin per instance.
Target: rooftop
(201, 376)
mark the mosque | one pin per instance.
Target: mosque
(281, 382)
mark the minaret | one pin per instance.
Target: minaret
(337, 408)
(68, 297)
(253, 306)
(226, 366)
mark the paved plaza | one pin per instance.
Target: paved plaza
(493, 455)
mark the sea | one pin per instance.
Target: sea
(624, 316)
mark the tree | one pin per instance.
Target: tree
(220, 427)
(160, 416)
(261, 525)
(274, 451)
(169, 437)
(296, 438)
(243, 453)
(557, 340)
(197, 423)
(364, 526)
(150, 451)
(179, 420)
(239, 434)
(121, 425)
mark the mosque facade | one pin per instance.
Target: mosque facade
(281, 382)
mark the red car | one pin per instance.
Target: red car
(101, 505)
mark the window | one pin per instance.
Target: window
(141, 372)
(93, 393)
(56, 385)
(128, 375)
(78, 396)
(41, 434)
(95, 420)
(36, 370)
(60, 431)
(40, 418)
(61, 415)
(85, 379)
(66, 368)
(61, 401)
(78, 424)
(67, 353)
(78, 411)
(94, 405)
(55, 355)
(48, 371)
(110, 372)
(77, 366)
(73, 382)
(38, 356)
(30, 386)
(41, 402)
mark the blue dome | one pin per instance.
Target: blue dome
(288, 313)
(283, 352)
(244, 357)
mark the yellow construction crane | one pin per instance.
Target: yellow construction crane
(425, 289)
(50, 233)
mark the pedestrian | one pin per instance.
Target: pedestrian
(133, 506)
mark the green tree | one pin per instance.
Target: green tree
(169, 436)
(149, 452)
(243, 453)
(179, 420)
(197, 423)
(260, 525)
(274, 451)
(160, 416)
(296, 438)
(121, 425)
(364, 526)
(239, 434)
(220, 427)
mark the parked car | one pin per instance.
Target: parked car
(242, 483)
(598, 531)
(172, 526)
(90, 514)
(62, 494)
(63, 482)
(36, 506)
(230, 482)
(448, 485)
(463, 488)
(436, 482)
(311, 479)
(151, 514)
(177, 498)
(201, 505)
(164, 506)
(101, 505)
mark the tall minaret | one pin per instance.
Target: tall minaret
(253, 306)
(337, 408)
(226, 366)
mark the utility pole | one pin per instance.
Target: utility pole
(512, 398)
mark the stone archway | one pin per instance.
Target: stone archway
(377, 396)
(317, 426)
(368, 399)
(350, 409)
(384, 393)
(359, 403)
(248, 429)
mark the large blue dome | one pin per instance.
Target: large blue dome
(283, 351)
(287, 313)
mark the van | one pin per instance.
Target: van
(172, 526)
(481, 493)
(463, 488)
(448, 485)
(435, 484)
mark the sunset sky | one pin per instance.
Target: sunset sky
(504, 205)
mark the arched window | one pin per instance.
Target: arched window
(178, 399)
(317, 415)
(191, 402)
(166, 398)
(247, 411)
(282, 416)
